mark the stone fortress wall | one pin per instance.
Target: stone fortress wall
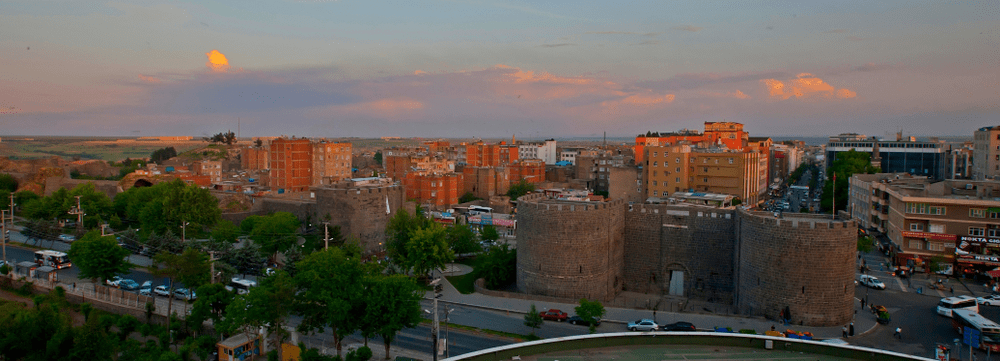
(362, 212)
(751, 260)
(570, 249)
(805, 264)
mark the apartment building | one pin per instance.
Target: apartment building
(210, 168)
(485, 182)
(438, 189)
(952, 220)
(684, 168)
(545, 151)
(986, 153)
(531, 170)
(398, 164)
(255, 158)
(717, 134)
(331, 162)
(291, 164)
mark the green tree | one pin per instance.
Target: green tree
(270, 303)
(99, 257)
(274, 233)
(590, 310)
(225, 231)
(378, 157)
(8, 183)
(391, 303)
(428, 250)
(840, 171)
(490, 233)
(520, 188)
(399, 231)
(177, 267)
(167, 206)
(462, 239)
(533, 319)
(162, 154)
(497, 266)
(330, 295)
(468, 197)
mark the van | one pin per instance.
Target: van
(947, 304)
(240, 286)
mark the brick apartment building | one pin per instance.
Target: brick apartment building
(485, 182)
(291, 164)
(438, 189)
(331, 162)
(681, 168)
(730, 134)
(255, 158)
(953, 221)
(531, 170)
(986, 153)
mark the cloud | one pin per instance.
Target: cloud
(690, 28)
(805, 86)
(855, 38)
(556, 45)
(644, 99)
(836, 31)
(737, 94)
(418, 72)
(647, 42)
(217, 61)
(869, 67)
(149, 79)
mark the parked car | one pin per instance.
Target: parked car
(128, 284)
(67, 238)
(991, 300)
(577, 320)
(185, 294)
(146, 289)
(113, 282)
(871, 281)
(643, 325)
(554, 315)
(162, 290)
(678, 326)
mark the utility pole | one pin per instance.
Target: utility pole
(326, 235)
(211, 263)
(3, 227)
(78, 211)
(184, 231)
(103, 226)
(435, 326)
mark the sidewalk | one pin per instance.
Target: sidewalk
(617, 317)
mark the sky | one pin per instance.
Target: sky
(490, 68)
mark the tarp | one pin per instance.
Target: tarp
(27, 264)
(44, 269)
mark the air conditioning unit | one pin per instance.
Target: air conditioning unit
(968, 186)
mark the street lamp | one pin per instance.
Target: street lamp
(184, 231)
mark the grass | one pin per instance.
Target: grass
(518, 337)
(465, 284)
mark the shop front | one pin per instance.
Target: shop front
(934, 249)
(976, 255)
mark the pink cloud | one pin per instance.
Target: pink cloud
(805, 86)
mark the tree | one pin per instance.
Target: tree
(462, 239)
(8, 183)
(533, 319)
(274, 233)
(378, 157)
(225, 231)
(490, 233)
(428, 250)
(99, 257)
(167, 206)
(266, 306)
(162, 154)
(520, 188)
(223, 138)
(840, 171)
(190, 267)
(468, 197)
(497, 266)
(330, 285)
(590, 310)
(399, 230)
(391, 303)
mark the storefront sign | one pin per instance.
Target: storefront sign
(486, 221)
(978, 259)
(979, 239)
(937, 236)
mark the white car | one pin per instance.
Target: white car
(871, 281)
(113, 282)
(162, 290)
(991, 300)
(66, 238)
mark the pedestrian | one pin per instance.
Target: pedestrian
(74, 286)
(844, 330)
(782, 316)
(952, 289)
(862, 303)
(850, 330)
(899, 333)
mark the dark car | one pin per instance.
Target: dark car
(554, 315)
(678, 326)
(577, 320)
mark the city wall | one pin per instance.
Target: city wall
(362, 212)
(570, 249)
(804, 264)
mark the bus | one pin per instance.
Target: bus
(240, 286)
(479, 209)
(949, 304)
(54, 259)
(989, 331)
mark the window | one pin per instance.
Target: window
(993, 231)
(916, 244)
(654, 173)
(654, 154)
(917, 227)
(655, 184)
(918, 208)
(935, 228)
(716, 160)
(704, 160)
(654, 164)
(932, 246)
(936, 211)
(706, 180)
(706, 169)
(730, 160)
(973, 212)
(678, 169)
(977, 231)
(994, 215)
(677, 160)
(655, 194)
(677, 179)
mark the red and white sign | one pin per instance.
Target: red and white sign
(937, 236)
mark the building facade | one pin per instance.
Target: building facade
(900, 156)
(986, 153)
(437, 189)
(682, 168)
(291, 164)
(331, 162)
(545, 151)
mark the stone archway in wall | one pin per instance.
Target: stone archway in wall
(674, 280)
(142, 183)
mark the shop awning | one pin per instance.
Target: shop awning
(994, 273)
